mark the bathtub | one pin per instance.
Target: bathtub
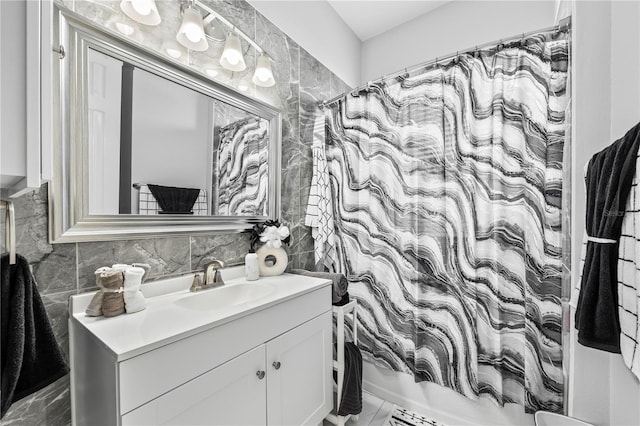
(440, 403)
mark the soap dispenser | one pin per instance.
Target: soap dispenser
(251, 266)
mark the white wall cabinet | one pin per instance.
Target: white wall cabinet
(26, 95)
(282, 382)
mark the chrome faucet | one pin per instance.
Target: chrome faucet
(208, 282)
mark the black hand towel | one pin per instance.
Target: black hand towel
(340, 283)
(174, 200)
(609, 178)
(351, 398)
(31, 356)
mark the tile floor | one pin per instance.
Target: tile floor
(374, 412)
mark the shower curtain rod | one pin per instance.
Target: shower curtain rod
(563, 25)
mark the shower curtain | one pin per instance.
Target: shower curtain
(242, 168)
(447, 185)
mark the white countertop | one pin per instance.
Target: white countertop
(165, 321)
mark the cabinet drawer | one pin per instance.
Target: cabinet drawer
(154, 373)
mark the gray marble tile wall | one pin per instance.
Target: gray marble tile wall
(62, 270)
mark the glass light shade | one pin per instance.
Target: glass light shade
(191, 32)
(232, 58)
(143, 7)
(135, 9)
(215, 30)
(263, 75)
(172, 49)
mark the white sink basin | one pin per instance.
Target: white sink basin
(225, 296)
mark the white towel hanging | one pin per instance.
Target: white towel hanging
(319, 215)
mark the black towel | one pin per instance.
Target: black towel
(609, 178)
(351, 398)
(343, 301)
(174, 200)
(31, 356)
(339, 281)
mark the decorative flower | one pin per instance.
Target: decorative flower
(271, 233)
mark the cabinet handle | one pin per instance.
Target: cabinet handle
(60, 51)
(260, 374)
(276, 365)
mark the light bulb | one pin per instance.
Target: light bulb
(262, 75)
(192, 32)
(142, 11)
(233, 59)
(143, 7)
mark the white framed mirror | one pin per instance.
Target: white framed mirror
(148, 147)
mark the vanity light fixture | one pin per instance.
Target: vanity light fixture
(142, 11)
(263, 76)
(232, 57)
(191, 33)
(200, 26)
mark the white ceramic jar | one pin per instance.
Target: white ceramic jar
(251, 266)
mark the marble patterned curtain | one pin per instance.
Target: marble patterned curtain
(448, 187)
(242, 164)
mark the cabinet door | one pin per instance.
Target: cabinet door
(232, 394)
(299, 366)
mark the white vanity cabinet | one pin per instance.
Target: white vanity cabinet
(267, 363)
(286, 379)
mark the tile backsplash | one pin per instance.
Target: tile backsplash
(62, 270)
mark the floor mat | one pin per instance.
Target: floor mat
(403, 417)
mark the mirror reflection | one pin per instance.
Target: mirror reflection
(157, 147)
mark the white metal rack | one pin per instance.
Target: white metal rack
(338, 364)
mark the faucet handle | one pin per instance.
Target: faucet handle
(196, 284)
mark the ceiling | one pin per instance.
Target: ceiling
(369, 18)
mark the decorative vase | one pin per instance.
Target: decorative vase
(251, 266)
(272, 261)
